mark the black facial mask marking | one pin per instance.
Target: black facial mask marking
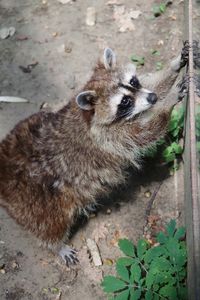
(125, 108)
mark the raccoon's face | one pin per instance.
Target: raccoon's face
(115, 94)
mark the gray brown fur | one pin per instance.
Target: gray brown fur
(53, 164)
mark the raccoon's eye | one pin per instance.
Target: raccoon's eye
(134, 82)
(126, 101)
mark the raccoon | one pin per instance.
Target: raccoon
(55, 164)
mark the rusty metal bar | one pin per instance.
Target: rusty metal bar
(192, 206)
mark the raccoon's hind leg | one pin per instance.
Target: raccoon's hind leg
(66, 253)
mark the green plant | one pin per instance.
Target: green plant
(155, 52)
(139, 60)
(169, 148)
(159, 9)
(151, 273)
(159, 65)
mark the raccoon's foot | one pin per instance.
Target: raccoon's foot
(69, 255)
(184, 54)
(182, 59)
(183, 87)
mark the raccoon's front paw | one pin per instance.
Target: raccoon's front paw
(69, 255)
(196, 54)
(185, 54)
(183, 87)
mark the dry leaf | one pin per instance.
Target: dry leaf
(125, 18)
(94, 251)
(11, 99)
(91, 16)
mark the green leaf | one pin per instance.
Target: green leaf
(142, 246)
(135, 273)
(169, 292)
(162, 7)
(112, 284)
(138, 59)
(180, 233)
(165, 277)
(150, 278)
(123, 272)
(181, 258)
(160, 142)
(182, 293)
(127, 247)
(126, 261)
(149, 295)
(154, 252)
(170, 158)
(198, 146)
(173, 123)
(171, 227)
(156, 10)
(135, 294)
(177, 148)
(123, 295)
(160, 264)
(155, 52)
(159, 66)
(182, 274)
(176, 132)
(161, 238)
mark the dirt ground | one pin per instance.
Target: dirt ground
(57, 37)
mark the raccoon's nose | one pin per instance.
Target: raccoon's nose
(152, 98)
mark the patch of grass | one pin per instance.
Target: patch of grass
(139, 60)
(151, 272)
(159, 9)
(159, 65)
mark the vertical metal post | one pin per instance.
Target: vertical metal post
(192, 203)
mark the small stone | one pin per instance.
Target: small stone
(108, 211)
(2, 271)
(108, 262)
(147, 194)
(54, 34)
(91, 16)
(4, 33)
(64, 1)
(64, 49)
(173, 18)
(12, 31)
(15, 265)
(160, 43)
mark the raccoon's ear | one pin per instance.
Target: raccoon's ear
(86, 100)
(109, 59)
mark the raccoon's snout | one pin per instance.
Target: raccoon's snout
(152, 98)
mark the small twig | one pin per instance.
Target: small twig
(150, 203)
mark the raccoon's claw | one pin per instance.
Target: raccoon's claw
(69, 255)
(183, 87)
